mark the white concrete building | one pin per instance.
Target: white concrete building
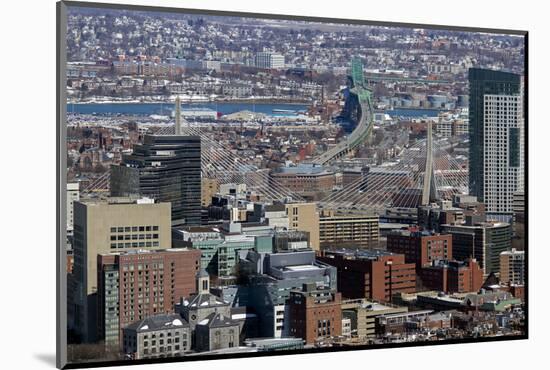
(503, 152)
(269, 60)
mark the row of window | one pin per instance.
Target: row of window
(134, 245)
(127, 229)
(134, 237)
(161, 349)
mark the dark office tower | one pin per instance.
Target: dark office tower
(166, 168)
(484, 82)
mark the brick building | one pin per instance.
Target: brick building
(137, 284)
(421, 247)
(512, 267)
(315, 312)
(307, 180)
(372, 274)
(452, 276)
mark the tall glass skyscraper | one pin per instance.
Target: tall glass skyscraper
(485, 83)
(166, 168)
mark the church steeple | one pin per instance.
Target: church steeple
(203, 282)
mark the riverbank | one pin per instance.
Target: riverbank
(188, 100)
(160, 108)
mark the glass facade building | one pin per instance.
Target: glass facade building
(166, 168)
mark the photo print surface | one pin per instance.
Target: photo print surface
(246, 185)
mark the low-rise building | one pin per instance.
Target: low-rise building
(363, 314)
(158, 336)
(452, 276)
(421, 247)
(372, 274)
(345, 230)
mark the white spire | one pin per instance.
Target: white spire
(177, 129)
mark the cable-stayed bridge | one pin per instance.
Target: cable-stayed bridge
(421, 174)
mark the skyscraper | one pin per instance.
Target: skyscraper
(166, 168)
(495, 154)
(503, 153)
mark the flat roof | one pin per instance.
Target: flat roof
(302, 267)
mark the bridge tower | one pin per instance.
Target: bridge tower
(177, 129)
(429, 191)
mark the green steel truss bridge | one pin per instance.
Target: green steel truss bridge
(366, 118)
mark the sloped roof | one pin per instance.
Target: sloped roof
(205, 300)
(158, 322)
(218, 320)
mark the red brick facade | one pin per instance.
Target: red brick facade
(421, 249)
(377, 278)
(313, 317)
(149, 283)
(453, 277)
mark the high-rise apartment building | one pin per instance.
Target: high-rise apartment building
(136, 284)
(117, 225)
(499, 119)
(502, 153)
(166, 168)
